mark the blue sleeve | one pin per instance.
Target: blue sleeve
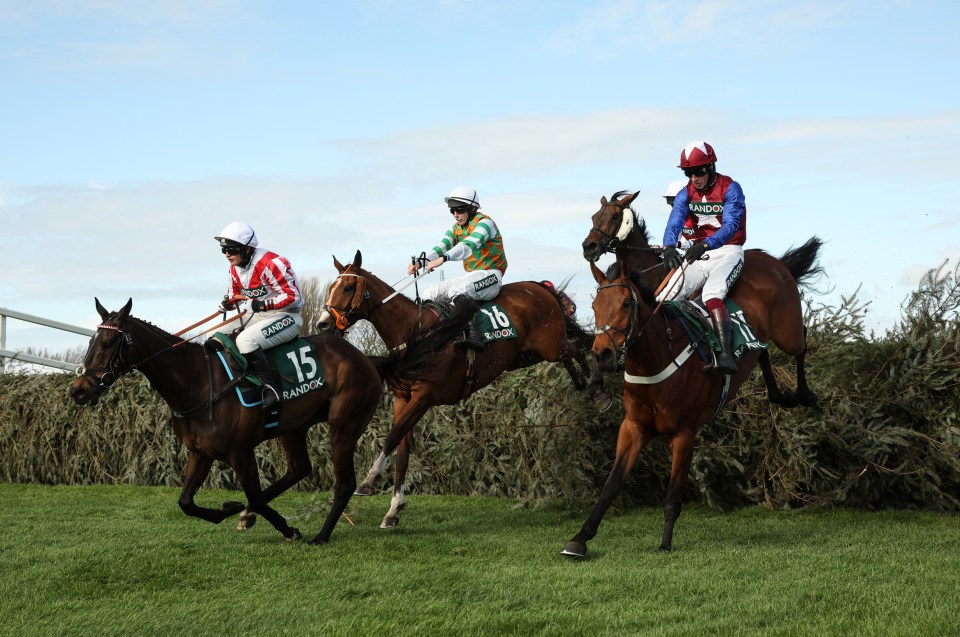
(734, 206)
(678, 216)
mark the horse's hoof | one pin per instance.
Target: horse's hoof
(603, 402)
(808, 400)
(294, 535)
(246, 521)
(364, 489)
(390, 521)
(575, 550)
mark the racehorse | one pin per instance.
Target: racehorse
(665, 390)
(766, 290)
(213, 425)
(544, 332)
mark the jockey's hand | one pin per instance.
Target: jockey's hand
(257, 305)
(227, 304)
(412, 268)
(671, 258)
(696, 251)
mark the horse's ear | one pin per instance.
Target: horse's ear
(338, 265)
(357, 260)
(125, 310)
(102, 311)
(613, 271)
(603, 200)
(597, 274)
(626, 201)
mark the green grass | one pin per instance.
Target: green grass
(125, 561)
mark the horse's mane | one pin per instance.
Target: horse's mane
(640, 225)
(158, 332)
(647, 293)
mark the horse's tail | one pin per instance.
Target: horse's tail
(419, 358)
(802, 261)
(573, 330)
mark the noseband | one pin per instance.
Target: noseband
(628, 340)
(117, 366)
(344, 316)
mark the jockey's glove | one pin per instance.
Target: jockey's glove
(671, 258)
(226, 304)
(259, 306)
(696, 251)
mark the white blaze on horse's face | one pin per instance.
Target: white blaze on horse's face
(626, 224)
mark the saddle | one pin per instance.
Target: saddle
(695, 319)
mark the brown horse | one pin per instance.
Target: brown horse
(211, 423)
(665, 390)
(766, 290)
(543, 333)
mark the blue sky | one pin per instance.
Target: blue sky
(132, 132)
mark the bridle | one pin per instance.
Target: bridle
(118, 365)
(612, 243)
(345, 315)
(628, 337)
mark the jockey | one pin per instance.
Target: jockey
(271, 285)
(715, 213)
(475, 240)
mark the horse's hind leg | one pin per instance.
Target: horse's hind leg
(196, 472)
(784, 398)
(298, 467)
(589, 372)
(343, 447)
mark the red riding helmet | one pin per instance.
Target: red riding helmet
(697, 154)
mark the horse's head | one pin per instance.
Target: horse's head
(107, 357)
(611, 225)
(615, 310)
(348, 300)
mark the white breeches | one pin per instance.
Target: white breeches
(267, 329)
(481, 285)
(715, 275)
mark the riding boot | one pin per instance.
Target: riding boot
(472, 338)
(723, 328)
(271, 383)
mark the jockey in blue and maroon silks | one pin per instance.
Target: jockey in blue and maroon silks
(711, 213)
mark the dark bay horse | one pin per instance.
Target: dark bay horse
(665, 391)
(766, 290)
(544, 333)
(214, 427)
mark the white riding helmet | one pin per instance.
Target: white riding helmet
(674, 187)
(462, 195)
(237, 233)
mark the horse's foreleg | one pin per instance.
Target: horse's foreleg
(398, 502)
(244, 464)
(376, 470)
(298, 467)
(343, 448)
(630, 441)
(592, 374)
(198, 467)
(681, 449)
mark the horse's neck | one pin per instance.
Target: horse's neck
(394, 320)
(660, 340)
(636, 251)
(176, 373)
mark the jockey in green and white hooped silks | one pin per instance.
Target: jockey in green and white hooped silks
(475, 240)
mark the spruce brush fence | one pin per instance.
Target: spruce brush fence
(886, 433)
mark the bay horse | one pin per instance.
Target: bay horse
(665, 392)
(211, 423)
(766, 290)
(544, 332)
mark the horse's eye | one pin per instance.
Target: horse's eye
(626, 304)
(349, 288)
